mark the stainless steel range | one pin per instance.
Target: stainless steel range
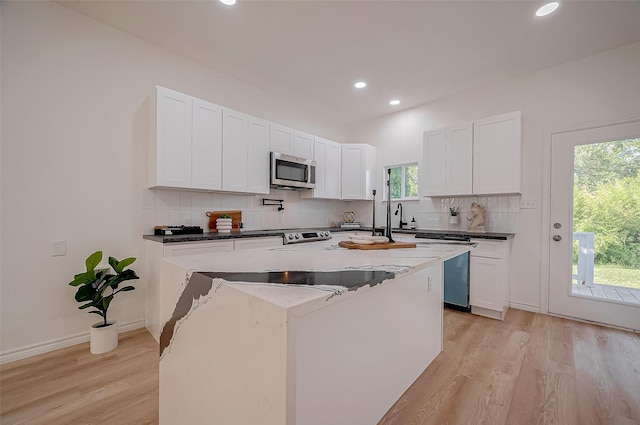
(310, 236)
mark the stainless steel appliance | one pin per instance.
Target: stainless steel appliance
(292, 172)
(310, 236)
(456, 272)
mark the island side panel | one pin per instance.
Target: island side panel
(356, 357)
(226, 363)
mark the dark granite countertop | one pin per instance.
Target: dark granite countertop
(430, 233)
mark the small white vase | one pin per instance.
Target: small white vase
(453, 219)
(103, 339)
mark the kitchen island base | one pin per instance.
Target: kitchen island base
(243, 357)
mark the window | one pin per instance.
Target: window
(404, 181)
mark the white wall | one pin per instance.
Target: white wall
(597, 90)
(74, 112)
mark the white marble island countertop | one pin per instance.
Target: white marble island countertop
(323, 256)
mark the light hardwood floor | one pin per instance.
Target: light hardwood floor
(529, 369)
(74, 387)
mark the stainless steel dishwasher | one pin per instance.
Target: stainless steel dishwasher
(456, 271)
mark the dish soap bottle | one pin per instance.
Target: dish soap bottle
(413, 224)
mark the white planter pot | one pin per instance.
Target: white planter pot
(453, 219)
(224, 225)
(103, 339)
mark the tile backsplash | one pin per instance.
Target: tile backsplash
(182, 207)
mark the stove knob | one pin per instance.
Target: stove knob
(290, 236)
(297, 235)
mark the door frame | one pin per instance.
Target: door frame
(545, 235)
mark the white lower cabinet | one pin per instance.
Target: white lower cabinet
(156, 251)
(489, 278)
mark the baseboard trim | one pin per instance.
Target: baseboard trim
(525, 307)
(56, 344)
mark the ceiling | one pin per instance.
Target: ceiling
(311, 52)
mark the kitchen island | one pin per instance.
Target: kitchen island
(308, 334)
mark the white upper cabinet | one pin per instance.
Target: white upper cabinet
(447, 161)
(303, 144)
(206, 157)
(281, 139)
(292, 142)
(434, 163)
(235, 151)
(258, 156)
(479, 158)
(245, 153)
(458, 179)
(358, 171)
(327, 155)
(497, 146)
(170, 127)
(184, 141)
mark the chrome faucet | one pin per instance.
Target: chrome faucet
(402, 223)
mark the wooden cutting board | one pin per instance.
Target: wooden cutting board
(386, 245)
(236, 219)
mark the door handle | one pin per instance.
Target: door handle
(557, 238)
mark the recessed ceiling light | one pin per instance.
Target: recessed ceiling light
(228, 2)
(360, 85)
(548, 8)
(394, 102)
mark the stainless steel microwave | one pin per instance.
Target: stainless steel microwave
(292, 172)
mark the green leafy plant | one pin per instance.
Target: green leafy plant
(224, 216)
(96, 289)
(454, 211)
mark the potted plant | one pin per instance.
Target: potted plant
(454, 211)
(96, 289)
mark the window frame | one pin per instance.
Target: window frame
(403, 184)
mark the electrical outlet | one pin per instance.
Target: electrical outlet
(58, 248)
(528, 204)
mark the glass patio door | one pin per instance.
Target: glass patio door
(594, 264)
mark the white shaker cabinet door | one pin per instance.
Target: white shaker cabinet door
(358, 171)
(258, 156)
(459, 166)
(320, 157)
(234, 151)
(497, 145)
(434, 162)
(281, 139)
(206, 157)
(173, 139)
(303, 145)
(332, 170)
